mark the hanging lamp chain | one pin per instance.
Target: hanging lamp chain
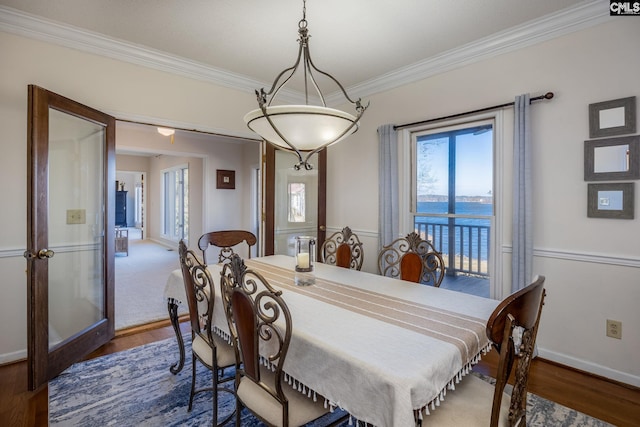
(309, 70)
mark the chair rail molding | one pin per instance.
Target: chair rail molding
(588, 257)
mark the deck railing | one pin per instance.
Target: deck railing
(464, 247)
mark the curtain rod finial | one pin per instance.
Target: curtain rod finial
(548, 95)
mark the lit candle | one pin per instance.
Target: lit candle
(303, 260)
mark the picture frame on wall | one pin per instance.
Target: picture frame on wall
(225, 179)
(610, 118)
(611, 200)
(612, 159)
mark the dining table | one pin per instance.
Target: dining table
(385, 350)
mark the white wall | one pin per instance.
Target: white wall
(592, 265)
(125, 91)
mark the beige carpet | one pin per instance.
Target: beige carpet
(140, 280)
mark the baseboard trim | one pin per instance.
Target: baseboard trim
(590, 368)
(149, 326)
(14, 357)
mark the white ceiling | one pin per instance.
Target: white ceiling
(360, 42)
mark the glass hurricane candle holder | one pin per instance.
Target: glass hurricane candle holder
(305, 258)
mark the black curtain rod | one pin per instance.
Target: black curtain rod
(547, 95)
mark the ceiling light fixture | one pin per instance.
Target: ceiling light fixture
(302, 128)
(167, 132)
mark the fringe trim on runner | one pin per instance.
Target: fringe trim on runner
(222, 334)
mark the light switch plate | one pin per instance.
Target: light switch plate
(76, 216)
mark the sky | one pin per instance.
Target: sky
(474, 166)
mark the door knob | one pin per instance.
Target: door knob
(45, 253)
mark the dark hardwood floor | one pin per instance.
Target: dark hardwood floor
(615, 403)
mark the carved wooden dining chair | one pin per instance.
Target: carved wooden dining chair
(226, 240)
(512, 330)
(253, 309)
(206, 346)
(344, 249)
(412, 258)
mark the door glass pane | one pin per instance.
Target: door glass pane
(454, 196)
(296, 202)
(76, 225)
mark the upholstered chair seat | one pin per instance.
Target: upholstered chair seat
(473, 397)
(476, 403)
(302, 409)
(206, 347)
(224, 351)
(260, 326)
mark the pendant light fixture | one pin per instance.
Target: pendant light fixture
(302, 129)
(167, 132)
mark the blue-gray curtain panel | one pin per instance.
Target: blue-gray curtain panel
(522, 261)
(388, 218)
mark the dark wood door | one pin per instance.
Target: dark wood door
(70, 232)
(278, 173)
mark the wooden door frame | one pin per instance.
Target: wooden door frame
(269, 161)
(42, 363)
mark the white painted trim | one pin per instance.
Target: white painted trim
(591, 258)
(496, 267)
(35, 27)
(247, 136)
(406, 194)
(590, 367)
(537, 31)
(13, 357)
(166, 243)
(11, 253)
(361, 233)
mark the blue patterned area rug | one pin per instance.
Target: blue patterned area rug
(135, 388)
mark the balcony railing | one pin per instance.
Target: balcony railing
(465, 248)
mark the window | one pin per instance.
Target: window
(176, 203)
(452, 194)
(297, 204)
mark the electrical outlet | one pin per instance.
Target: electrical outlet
(614, 329)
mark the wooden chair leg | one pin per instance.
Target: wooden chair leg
(193, 382)
(214, 386)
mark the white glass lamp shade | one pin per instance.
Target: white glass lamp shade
(166, 131)
(306, 127)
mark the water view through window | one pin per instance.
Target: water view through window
(454, 195)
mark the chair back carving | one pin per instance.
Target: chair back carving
(519, 313)
(199, 291)
(226, 240)
(344, 249)
(253, 307)
(231, 276)
(412, 258)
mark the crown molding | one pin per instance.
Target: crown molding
(223, 134)
(34, 27)
(531, 33)
(540, 30)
